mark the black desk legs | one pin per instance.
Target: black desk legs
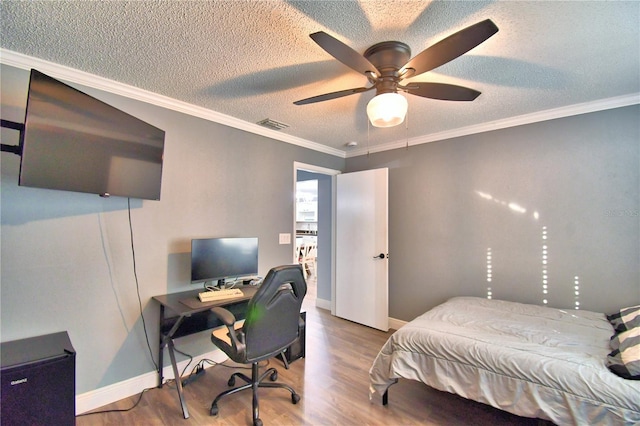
(185, 320)
(283, 356)
(161, 348)
(166, 340)
(178, 379)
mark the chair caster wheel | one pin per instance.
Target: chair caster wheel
(232, 381)
(257, 422)
(214, 410)
(295, 398)
(274, 376)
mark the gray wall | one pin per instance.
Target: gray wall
(66, 257)
(449, 205)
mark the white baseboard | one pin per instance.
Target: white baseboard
(393, 323)
(396, 323)
(106, 395)
(323, 304)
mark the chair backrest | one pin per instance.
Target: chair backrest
(271, 324)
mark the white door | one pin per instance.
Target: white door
(362, 268)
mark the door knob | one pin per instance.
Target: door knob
(380, 256)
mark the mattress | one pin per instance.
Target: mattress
(529, 360)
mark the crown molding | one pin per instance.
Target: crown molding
(19, 60)
(62, 72)
(520, 120)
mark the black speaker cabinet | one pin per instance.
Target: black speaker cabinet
(296, 350)
(38, 378)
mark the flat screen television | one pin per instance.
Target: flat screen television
(74, 142)
(217, 259)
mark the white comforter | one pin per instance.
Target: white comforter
(529, 360)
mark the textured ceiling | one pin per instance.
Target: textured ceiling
(251, 59)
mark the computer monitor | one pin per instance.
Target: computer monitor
(218, 259)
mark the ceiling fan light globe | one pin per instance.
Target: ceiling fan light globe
(387, 109)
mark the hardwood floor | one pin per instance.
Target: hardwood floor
(333, 384)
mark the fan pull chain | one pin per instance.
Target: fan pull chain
(406, 127)
(368, 127)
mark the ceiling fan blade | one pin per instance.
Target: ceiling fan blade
(332, 95)
(451, 47)
(445, 92)
(344, 53)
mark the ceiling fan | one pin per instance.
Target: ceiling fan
(386, 64)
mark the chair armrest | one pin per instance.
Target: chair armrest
(229, 320)
(224, 315)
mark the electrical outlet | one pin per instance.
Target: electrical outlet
(285, 239)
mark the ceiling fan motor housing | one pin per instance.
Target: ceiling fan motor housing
(388, 57)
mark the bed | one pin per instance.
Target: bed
(529, 360)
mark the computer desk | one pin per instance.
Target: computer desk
(182, 314)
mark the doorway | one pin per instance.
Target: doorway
(306, 237)
(316, 226)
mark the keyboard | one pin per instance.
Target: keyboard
(225, 293)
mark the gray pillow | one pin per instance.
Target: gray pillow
(625, 319)
(624, 360)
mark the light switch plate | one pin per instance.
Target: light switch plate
(285, 239)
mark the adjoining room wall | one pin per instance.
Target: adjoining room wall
(542, 212)
(67, 261)
(324, 232)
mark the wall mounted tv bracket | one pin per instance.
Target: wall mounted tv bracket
(16, 149)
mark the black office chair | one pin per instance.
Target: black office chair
(271, 325)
